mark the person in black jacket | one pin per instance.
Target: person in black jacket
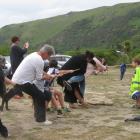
(17, 53)
(79, 64)
(16, 57)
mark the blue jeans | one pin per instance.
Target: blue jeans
(122, 71)
(79, 79)
(136, 95)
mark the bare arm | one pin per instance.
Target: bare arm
(9, 82)
(48, 76)
(98, 63)
(63, 72)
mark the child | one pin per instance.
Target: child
(135, 84)
(57, 96)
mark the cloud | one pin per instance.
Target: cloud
(15, 11)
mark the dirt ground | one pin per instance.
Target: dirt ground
(97, 122)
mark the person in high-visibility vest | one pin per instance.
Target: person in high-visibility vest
(135, 83)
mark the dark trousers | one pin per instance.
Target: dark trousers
(19, 91)
(122, 75)
(70, 95)
(38, 100)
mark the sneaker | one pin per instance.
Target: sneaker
(137, 119)
(67, 85)
(73, 106)
(136, 106)
(51, 109)
(65, 110)
(47, 122)
(60, 114)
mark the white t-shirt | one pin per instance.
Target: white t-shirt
(40, 83)
(30, 69)
(53, 71)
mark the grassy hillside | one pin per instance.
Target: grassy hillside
(106, 27)
(101, 27)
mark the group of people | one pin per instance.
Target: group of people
(34, 76)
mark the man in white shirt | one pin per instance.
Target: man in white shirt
(30, 69)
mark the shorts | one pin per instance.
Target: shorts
(48, 95)
(136, 95)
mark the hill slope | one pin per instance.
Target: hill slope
(101, 27)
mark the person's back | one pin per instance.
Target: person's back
(123, 67)
(15, 55)
(28, 69)
(76, 62)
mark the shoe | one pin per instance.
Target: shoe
(73, 106)
(60, 114)
(67, 85)
(47, 122)
(51, 109)
(136, 106)
(137, 119)
(3, 130)
(65, 110)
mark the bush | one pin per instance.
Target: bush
(4, 50)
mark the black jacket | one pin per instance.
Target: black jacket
(76, 62)
(16, 56)
(2, 83)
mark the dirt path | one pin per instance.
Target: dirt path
(100, 122)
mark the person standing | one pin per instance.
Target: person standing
(122, 71)
(16, 57)
(31, 69)
(17, 53)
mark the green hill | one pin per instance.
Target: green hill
(100, 27)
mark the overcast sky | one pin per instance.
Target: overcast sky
(16, 11)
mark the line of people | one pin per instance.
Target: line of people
(29, 75)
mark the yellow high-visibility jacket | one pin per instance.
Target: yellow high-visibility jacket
(135, 84)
